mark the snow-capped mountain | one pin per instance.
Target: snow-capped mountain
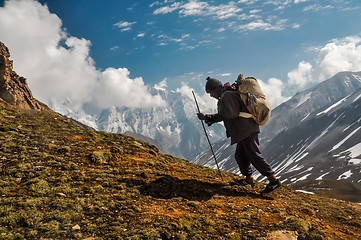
(325, 146)
(176, 127)
(301, 108)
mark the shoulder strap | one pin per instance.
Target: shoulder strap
(246, 115)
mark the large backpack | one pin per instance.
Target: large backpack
(254, 99)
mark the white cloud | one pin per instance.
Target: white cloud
(302, 75)
(296, 26)
(261, 25)
(166, 9)
(162, 85)
(204, 42)
(224, 11)
(317, 7)
(273, 89)
(164, 39)
(339, 55)
(116, 88)
(114, 48)
(58, 66)
(336, 56)
(33, 35)
(194, 7)
(124, 26)
(154, 4)
(206, 103)
(299, 1)
(248, 1)
(254, 11)
(225, 74)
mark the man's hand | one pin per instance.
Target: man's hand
(201, 116)
(207, 118)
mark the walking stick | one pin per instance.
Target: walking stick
(210, 145)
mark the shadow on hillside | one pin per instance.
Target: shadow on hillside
(167, 187)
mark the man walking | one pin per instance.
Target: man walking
(243, 131)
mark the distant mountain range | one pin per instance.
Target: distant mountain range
(175, 129)
(314, 135)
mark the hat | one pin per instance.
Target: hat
(212, 84)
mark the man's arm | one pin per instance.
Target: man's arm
(210, 118)
(229, 105)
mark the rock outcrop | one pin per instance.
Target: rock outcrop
(14, 88)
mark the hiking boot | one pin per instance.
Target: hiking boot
(271, 187)
(242, 182)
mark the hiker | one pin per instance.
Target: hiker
(243, 131)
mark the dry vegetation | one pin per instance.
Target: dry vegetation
(60, 180)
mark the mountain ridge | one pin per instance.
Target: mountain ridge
(325, 142)
(303, 103)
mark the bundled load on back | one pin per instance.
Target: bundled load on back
(254, 99)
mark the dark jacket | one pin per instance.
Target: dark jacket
(230, 105)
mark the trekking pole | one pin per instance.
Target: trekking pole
(210, 145)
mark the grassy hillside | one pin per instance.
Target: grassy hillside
(60, 180)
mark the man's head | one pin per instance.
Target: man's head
(214, 87)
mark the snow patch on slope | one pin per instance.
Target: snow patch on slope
(303, 99)
(324, 132)
(333, 106)
(355, 153)
(345, 175)
(344, 140)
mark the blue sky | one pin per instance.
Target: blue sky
(166, 39)
(288, 44)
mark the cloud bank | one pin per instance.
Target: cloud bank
(116, 88)
(58, 66)
(336, 56)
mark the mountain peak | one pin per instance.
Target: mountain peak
(14, 88)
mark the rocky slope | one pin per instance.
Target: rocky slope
(13, 88)
(61, 180)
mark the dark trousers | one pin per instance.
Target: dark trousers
(247, 153)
